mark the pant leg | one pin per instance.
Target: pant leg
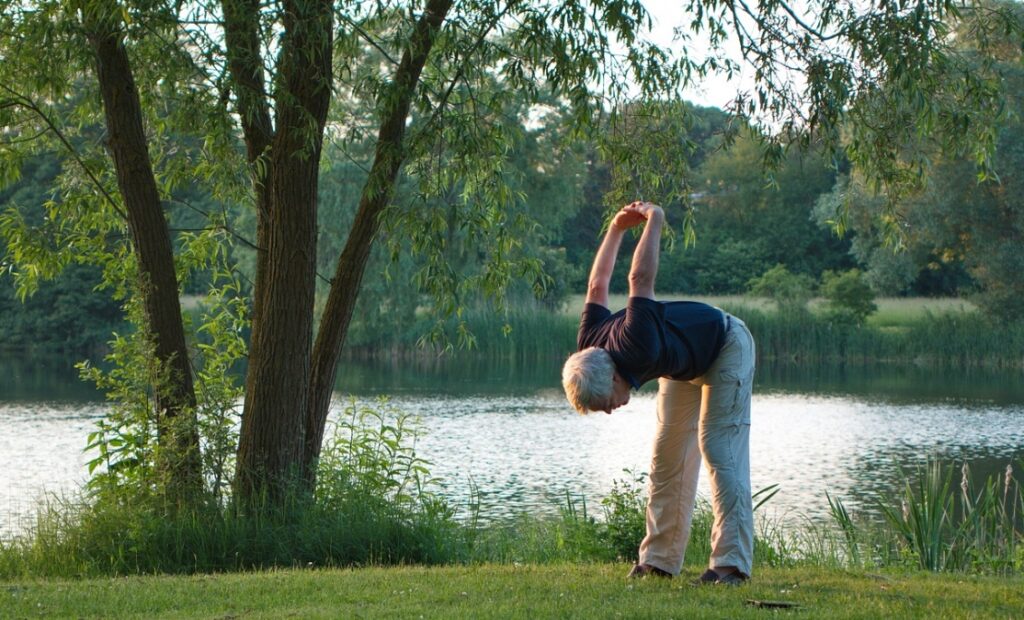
(725, 445)
(675, 468)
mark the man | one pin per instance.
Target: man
(703, 359)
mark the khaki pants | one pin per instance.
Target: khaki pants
(708, 416)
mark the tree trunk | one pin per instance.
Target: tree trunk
(377, 192)
(242, 36)
(175, 397)
(277, 387)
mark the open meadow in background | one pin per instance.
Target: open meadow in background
(892, 311)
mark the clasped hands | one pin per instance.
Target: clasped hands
(636, 213)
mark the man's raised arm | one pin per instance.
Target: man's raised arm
(644, 269)
(604, 261)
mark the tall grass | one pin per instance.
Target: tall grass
(936, 525)
(948, 340)
(954, 336)
(518, 334)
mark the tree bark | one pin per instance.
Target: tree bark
(388, 158)
(151, 241)
(242, 38)
(277, 388)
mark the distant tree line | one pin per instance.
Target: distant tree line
(748, 220)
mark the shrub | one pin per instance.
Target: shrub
(625, 522)
(789, 291)
(850, 300)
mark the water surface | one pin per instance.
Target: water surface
(503, 431)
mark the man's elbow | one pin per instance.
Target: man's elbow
(641, 279)
(597, 290)
(641, 284)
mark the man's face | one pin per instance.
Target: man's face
(620, 394)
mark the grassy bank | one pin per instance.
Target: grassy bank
(935, 524)
(528, 591)
(931, 332)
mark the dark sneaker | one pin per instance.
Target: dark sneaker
(710, 577)
(733, 579)
(645, 570)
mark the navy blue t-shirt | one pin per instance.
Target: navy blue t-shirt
(651, 339)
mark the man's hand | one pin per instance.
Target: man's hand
(636, 213)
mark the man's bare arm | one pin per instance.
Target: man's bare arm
(644, 269)
(604, 261)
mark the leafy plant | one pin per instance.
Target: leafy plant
(625, 522)
(981, 531)
(130, 459)
(790, 291)
(371, 453)
(850, 299)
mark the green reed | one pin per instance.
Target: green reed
(518, 333)
(949, 340)
(936, 525)
(954, 339)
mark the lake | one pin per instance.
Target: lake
(504, 430)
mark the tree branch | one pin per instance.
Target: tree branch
(25, 102)
(439, 108)
(366, 37)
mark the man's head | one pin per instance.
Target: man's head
(591, 382)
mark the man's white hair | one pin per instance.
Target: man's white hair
(588, 378)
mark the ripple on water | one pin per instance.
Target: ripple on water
(41, 453)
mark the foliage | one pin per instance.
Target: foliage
(849, 298)
(372, 454)
(625, 522)
(67, 314)
(543, 173)
(126, 444)
(955, 226)
(222, 330)
(375, 504)
(789, 291)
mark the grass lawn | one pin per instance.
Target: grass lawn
(899, 311)
(529, 591)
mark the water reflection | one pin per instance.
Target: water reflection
(896, 383)
(35, 378)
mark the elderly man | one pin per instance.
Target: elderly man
(703, 359)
